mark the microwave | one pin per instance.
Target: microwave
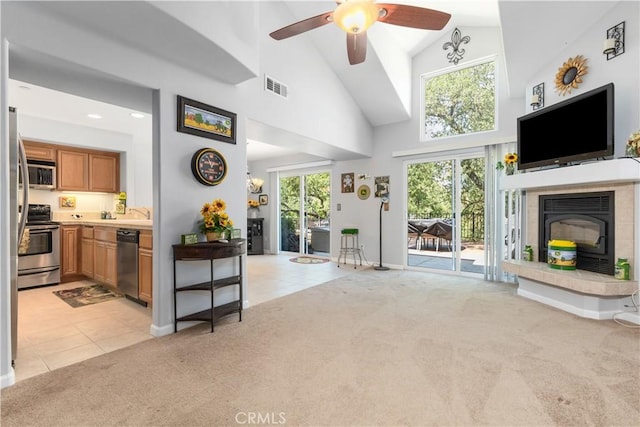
(42, 174)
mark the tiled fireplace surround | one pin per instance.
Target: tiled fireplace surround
(580, 292)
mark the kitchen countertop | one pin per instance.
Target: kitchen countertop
(140, 224)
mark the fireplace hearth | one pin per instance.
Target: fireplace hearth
(584, 218)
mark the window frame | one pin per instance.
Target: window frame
(427, 76)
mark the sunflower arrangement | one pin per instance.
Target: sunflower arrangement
(253, 204)
(509, 164)
(633, 144)
(214, 218)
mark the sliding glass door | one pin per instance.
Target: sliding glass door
(445, 214)
(305, 201)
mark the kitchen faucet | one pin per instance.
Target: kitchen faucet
(146, 212)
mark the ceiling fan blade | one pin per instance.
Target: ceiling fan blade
(302, 26)
(357, 47)
(413, 16)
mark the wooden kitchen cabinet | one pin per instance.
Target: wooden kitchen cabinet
(88, 170)
(145, 266)
(39, 151)
(105, 267)
(86, 251)
(104, 172)
(72, 170)
(70, 253)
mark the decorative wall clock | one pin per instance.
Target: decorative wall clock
(208, 166)
(569, 76)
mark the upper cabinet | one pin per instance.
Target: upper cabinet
(104, 172)
(73, 170)
(39, 151)
(88, 170)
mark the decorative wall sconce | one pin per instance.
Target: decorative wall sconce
(614, 43)
(254, 185)
(456, 52)
(537, 96)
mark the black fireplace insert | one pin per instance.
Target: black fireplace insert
(584, 218)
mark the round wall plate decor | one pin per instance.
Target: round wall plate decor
(363, 192)
(208, 166)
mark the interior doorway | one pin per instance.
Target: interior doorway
(445, 213)
(304, 209)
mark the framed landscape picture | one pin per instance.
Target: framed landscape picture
(197, 118)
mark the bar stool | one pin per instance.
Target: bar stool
(349, 245)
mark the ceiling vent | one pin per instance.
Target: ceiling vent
(274, 86)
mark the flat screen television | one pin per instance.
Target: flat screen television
(575, 130)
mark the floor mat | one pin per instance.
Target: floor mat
(86, 295)
(308, 260)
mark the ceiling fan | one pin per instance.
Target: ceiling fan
(356, 16)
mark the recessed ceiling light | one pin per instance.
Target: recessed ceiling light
(94, 116)
(137, 115)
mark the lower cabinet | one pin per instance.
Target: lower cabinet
(86, 251)
(105, 260)
(70, 269)
(145, 266)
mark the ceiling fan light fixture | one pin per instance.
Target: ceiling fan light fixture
(355, 16)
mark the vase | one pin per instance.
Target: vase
(253, 213)
(509, 169)
(632, 151)
(214, 236)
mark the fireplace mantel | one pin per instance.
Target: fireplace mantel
(583, 293)
(597, 172)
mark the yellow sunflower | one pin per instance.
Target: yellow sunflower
(510, 158)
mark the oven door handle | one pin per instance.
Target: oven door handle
(37, 271)
(37, 228)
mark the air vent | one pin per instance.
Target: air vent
(274, 86)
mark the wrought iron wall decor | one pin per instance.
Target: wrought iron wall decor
(537, 96)
(614, 43)
(457, 52)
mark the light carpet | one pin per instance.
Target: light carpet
(372, 348)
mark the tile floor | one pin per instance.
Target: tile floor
(52, 334)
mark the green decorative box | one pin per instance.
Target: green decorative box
(236, 233)
(189, 239)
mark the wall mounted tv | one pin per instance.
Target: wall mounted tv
(575, 130)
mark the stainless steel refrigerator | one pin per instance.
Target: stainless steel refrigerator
(19, 195)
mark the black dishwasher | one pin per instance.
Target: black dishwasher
(128, 264)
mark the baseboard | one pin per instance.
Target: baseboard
(160, 331)
(629, 316)
(8, 379)
(583, 305)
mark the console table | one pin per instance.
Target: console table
(209, 251)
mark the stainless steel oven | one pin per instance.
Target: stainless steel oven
(39, 251)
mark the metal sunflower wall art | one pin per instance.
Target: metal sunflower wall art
(569, 76)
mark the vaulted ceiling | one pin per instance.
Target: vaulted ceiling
(524, 43)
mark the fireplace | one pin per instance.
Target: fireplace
(584, 218)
